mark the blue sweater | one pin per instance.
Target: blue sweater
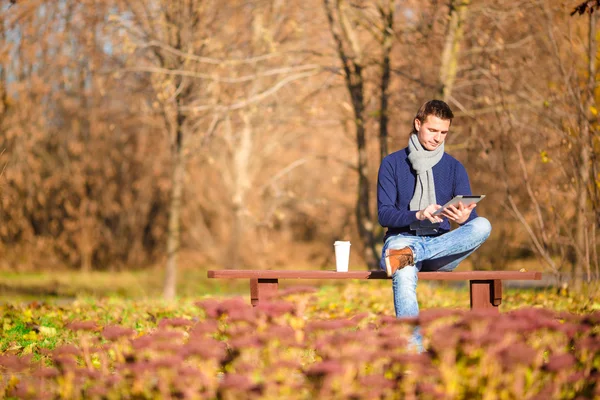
(396, 185)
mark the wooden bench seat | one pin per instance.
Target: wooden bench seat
(485, 286)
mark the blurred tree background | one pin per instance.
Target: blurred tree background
(248, 133)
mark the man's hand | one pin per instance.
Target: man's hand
(460, 213)
(427, 213)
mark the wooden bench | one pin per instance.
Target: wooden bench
(485, 286)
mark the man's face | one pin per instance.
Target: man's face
(432, 132)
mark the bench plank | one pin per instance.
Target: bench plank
(305, 274)
(485, 286)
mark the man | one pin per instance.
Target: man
(412, 184)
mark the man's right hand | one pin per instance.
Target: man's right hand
(427, 213)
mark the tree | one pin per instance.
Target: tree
(60, 205)
(542, 135)
(454, 35)
(344, 18)
(197, 82)
(164, 34)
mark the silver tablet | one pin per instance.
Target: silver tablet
(466, 200)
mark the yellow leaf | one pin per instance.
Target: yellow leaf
(96, 361)
(30, 336)
(27, 315)
(28, 349)
(593, 110)
(544, 155)
(14, 348)
(13, 381)
(48, 331)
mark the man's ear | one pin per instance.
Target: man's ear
(417, 124)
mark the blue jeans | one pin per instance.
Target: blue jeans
(431, 253)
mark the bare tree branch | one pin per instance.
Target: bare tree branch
(212, 60)
(245, 78)
(253, 99)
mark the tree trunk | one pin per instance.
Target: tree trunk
(353, 76)
(363, 209)
(582, 261)
(387, 34)
(173, 234)
(241, 183)
(454, 35)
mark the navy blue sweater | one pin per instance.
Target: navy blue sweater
(396, 186)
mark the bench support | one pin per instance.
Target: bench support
(262, 289)
(486, 293)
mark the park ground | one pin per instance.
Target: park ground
(111, 335)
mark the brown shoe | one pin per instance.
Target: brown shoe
(398, 259)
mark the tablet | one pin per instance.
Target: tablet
(466, 200)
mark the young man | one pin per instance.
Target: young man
(412, 184)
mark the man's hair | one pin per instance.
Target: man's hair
(437, 108)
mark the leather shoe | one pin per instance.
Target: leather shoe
(398, 259)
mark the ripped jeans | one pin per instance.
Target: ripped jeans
(431, 253)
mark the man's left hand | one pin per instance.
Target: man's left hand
(459, 213)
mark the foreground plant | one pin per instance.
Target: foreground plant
(229, 350)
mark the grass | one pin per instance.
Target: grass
(36, 308)
(68, 285)
(191, 282)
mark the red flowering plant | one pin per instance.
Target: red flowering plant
(300, 345)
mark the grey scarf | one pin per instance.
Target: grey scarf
(422, 161)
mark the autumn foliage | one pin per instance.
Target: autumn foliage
(239, 132)
(230, 350)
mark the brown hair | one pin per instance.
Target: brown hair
(437, 108)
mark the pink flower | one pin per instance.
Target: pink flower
(377, 381)
(65, 362)
(275, 308)
(236, 381)
(517, 353)
(297, 290)
(432, 314)
(82, 326)
(210, 307)
(329, 325)
(168, 362)
(97, 390)
(14, 363)
(115, 332)
(245, 342)
(204, 348)
(45, 373)
(167, 335)
(203, 328)
(142, 342)
(174, 322)
(326, 367)
(560, 362)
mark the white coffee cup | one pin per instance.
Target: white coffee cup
(342, 255)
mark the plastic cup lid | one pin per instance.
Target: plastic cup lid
(338, 242)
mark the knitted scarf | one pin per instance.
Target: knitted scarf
(422, 161)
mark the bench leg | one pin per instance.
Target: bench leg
(262, 289)
(486, 294)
